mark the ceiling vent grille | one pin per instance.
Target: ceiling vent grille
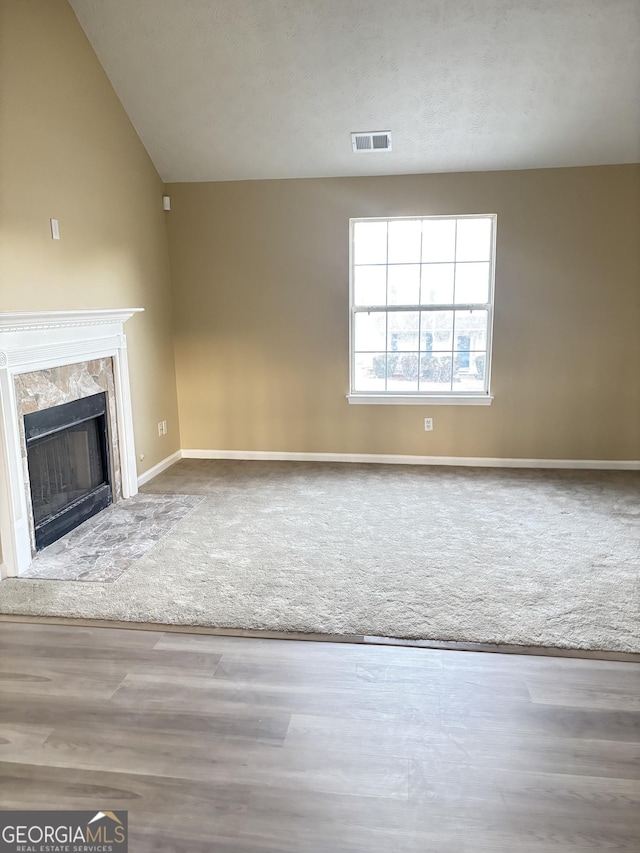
(369, 143)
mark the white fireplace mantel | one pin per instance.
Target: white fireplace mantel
(38, 340)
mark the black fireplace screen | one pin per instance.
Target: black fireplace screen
(68, 459)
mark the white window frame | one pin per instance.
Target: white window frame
(421, 398)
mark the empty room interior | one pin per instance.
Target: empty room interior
(320, 424)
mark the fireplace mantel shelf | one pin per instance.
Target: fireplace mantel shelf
(39, 340)
(16, 321)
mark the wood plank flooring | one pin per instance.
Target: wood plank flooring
(219, 744)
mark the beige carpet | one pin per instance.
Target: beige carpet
(532, 558)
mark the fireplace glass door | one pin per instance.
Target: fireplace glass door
(69, 471)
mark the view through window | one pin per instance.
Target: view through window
(421, 305)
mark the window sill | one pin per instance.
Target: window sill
(420, 400)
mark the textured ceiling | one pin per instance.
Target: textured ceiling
(239, 89)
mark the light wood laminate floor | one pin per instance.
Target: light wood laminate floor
(235, 745)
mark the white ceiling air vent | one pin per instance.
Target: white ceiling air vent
(369, 143)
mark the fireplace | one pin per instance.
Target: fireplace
(49, 359)
(68, 462)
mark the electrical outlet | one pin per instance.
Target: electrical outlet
(160, 432)
(164, 427)
(428, 424)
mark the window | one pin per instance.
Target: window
(422, 309)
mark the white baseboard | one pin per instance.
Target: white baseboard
(159, 468)
(398, 459)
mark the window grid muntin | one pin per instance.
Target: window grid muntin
(486, 306)
(386, 319)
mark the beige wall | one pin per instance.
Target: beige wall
(68, 150)
(260, 277)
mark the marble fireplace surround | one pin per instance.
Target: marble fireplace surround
(43, 340)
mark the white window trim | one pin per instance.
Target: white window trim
(469, 398)
(420, 399)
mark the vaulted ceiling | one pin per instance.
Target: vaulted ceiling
(242, 89)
